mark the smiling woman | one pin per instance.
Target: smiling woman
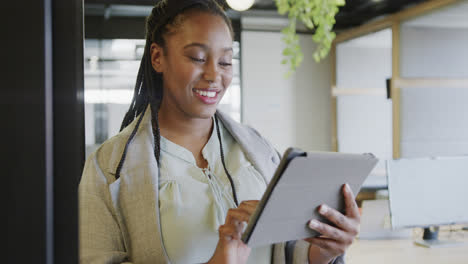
(179, 181)
(196, 64)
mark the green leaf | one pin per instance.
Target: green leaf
(318, 14)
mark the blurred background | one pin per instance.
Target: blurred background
(395, 84)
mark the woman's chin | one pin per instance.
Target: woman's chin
(204, 112)
(207, 113)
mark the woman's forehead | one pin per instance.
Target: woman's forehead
(203, 30)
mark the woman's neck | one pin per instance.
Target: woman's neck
(189, 132)
(173, 122)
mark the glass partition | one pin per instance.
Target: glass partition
(435, 45)
(434, 83)
(364, 113)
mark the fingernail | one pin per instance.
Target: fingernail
(228, 238)
(323, 209)
(244, 226)
(313, 224)
(348, 188)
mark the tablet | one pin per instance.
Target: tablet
(302, 182)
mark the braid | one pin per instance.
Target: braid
(132, 113)
(156, 133)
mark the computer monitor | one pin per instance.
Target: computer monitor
(428, 193)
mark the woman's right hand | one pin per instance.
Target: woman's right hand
(230, 248)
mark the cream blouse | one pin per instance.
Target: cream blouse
(194, 202)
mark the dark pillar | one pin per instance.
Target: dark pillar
(42, 128)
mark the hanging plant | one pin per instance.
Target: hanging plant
(318, 15)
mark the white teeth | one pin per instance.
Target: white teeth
(205, 93)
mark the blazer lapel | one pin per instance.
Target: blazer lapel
(139, 202)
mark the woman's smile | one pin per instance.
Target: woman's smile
(207, 96)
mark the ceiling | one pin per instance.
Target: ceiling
(354, 13)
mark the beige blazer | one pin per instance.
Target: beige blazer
(119, 219)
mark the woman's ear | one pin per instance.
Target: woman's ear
(157, 57)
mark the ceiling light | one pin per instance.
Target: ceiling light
(240, 5)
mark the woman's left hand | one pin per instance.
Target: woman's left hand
(334, 241)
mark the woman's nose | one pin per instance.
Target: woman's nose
(211, 73)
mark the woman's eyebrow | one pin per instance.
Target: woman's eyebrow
(203, 46)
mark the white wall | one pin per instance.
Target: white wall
(268, 98)
(313, 109)
(288, 112)
(363, 67)
(364, 62)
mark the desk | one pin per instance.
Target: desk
(405, 251)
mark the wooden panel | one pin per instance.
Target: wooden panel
(357, 91)
(395, 91)
(364, 30)
(422, 9)
(392, 19)
(431, 82)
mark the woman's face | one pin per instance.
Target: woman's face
(196, 65)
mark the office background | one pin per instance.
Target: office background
(50, 98)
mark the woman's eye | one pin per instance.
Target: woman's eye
(225, 64)
(197, 59)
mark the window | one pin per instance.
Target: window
(111, 67)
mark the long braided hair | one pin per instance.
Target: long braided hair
(165, 16)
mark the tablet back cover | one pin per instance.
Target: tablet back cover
(307, 182)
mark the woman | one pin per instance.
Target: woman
(180, 180)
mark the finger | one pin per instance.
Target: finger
(239, 226)
(328, 245)
(235, 229)
(228, 232)
(341, 221)
(322, 242)
(328, 231)
(235, 216)
(248, 206)
(352, 209)
(251, 202)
